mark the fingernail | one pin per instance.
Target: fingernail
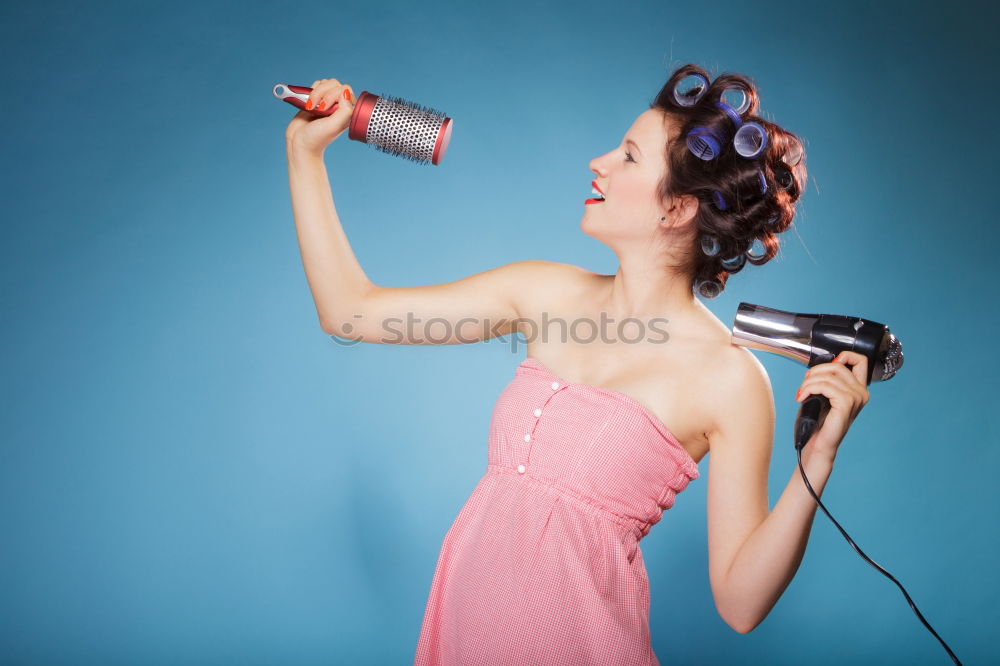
(309, 104)
(321, 105)
(347, 95)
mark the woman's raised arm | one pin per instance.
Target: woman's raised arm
(349, 305)
(472, 309)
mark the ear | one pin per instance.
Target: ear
(683, 209)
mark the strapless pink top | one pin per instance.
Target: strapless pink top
(542, 565)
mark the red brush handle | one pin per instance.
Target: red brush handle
(362, 113)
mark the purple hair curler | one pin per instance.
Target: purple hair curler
(731, 112)
(720, 202)
(704, 143)
(744, 104)
(750, 139)
(692, 94)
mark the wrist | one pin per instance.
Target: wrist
(298, 151)
(817, 458)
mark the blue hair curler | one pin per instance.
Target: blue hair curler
(710, 245)
(720, 202)
(693, 94)
(744, 104)
(750, 139)
(708, 288)
(793, 155)
(763, 181)
(784, 177)
(704, 143)
(734, 263)
(757, 249)
(731, 112)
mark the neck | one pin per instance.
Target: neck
(648, 289)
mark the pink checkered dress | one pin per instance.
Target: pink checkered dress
(542, 565)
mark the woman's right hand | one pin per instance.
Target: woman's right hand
(310, 132)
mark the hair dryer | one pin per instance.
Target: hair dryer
(390, 124)
(817, 338)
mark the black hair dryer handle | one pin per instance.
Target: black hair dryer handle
(811, 412)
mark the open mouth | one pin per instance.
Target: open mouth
(599, 196)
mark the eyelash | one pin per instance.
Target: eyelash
(628, 157)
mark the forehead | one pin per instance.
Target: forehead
(651, 128)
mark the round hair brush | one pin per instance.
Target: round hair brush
(392, 125)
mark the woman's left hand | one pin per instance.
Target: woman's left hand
(847, 391)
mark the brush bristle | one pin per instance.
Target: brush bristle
(398, 153)
(413, 105)
(392, 100)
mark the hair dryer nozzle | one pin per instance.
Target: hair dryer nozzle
(786, 333)
(818, 338)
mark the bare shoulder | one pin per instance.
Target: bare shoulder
(740, 385)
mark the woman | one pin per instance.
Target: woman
(542, 564)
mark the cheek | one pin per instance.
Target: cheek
(634, 192)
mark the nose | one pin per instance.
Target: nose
(597, 166)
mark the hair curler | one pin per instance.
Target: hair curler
(392, 125)
(817, 338)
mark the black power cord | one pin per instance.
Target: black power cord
(798, 451)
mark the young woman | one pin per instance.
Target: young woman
(595, 435)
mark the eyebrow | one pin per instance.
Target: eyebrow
(634, 144)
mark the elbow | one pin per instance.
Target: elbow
(741, 626)
(332, 321)
(738, 623)
(740, 617)
(340, 319)
(335, 327)
(328, 327)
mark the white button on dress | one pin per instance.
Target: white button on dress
(555, 385)
(527, 437)
(520, 469)
(538, 412)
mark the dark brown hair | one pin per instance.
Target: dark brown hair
(749, 216)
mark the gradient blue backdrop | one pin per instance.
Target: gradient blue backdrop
(193, 472)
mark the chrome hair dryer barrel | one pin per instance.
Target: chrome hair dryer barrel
(390, 124)
(811, 339)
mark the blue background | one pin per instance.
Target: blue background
(193, 472)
